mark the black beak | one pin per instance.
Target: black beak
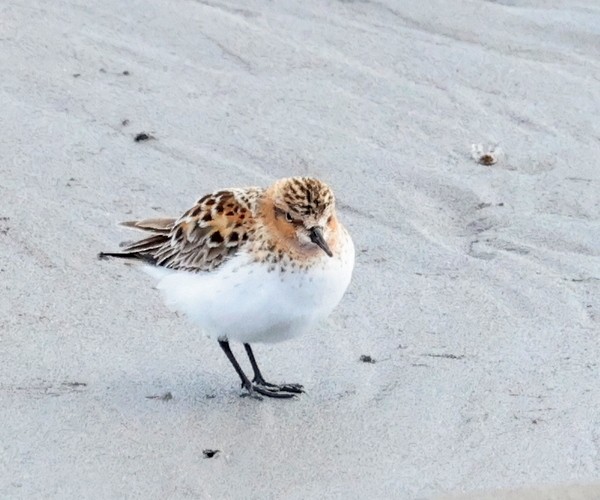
(316, 236)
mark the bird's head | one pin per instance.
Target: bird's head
(303, 210)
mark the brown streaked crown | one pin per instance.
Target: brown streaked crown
(304, 196)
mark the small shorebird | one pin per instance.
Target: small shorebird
(251, 265)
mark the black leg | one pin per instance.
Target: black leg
(259, 379)
(246, 384)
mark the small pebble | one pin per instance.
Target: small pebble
(143, 136)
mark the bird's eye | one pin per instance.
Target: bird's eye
(288, 217)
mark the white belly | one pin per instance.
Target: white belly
(244, 302)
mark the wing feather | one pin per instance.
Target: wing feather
(154, 225)
(203, 238)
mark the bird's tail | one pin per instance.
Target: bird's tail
(147, 248)
(119, 255)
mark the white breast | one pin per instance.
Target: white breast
(245, 302)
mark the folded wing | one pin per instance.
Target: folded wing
(202, 239)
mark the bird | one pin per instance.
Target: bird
(250, 265)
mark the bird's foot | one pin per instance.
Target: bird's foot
(256, 391)
(291, 388)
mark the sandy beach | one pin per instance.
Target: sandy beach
(476, 288)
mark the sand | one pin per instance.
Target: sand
(476, 287)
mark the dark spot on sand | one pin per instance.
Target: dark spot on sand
(76, 75)
(167, 396)
(4, 225)
(210, 453)
(126, 73)
(366, 359)
(125, 122)
(487, 159)
(143, 136)
(446, 356)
